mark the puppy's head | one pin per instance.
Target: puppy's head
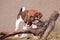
(29, 16)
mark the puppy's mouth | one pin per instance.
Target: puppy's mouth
(32, 23)
(29, 23)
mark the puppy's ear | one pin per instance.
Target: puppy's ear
(22, 9)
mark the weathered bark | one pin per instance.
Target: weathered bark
(43, 31)
(51, 25)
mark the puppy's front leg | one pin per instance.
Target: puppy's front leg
(17, 24)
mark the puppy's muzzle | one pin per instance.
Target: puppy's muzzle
(28, 23)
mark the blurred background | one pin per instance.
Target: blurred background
(10, 8)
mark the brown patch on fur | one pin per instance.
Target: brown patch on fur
(22, 14)
(32, 12)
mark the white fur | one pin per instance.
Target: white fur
(17, 22)
(17, 27)
(34, 26)
(24, 27)
(37, 21)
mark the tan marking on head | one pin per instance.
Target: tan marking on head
(35, 14)
(32, 11)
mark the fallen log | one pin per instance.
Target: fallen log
(51, 25)
(43, 31)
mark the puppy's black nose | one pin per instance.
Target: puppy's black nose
(25, 21)
(29, 23)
